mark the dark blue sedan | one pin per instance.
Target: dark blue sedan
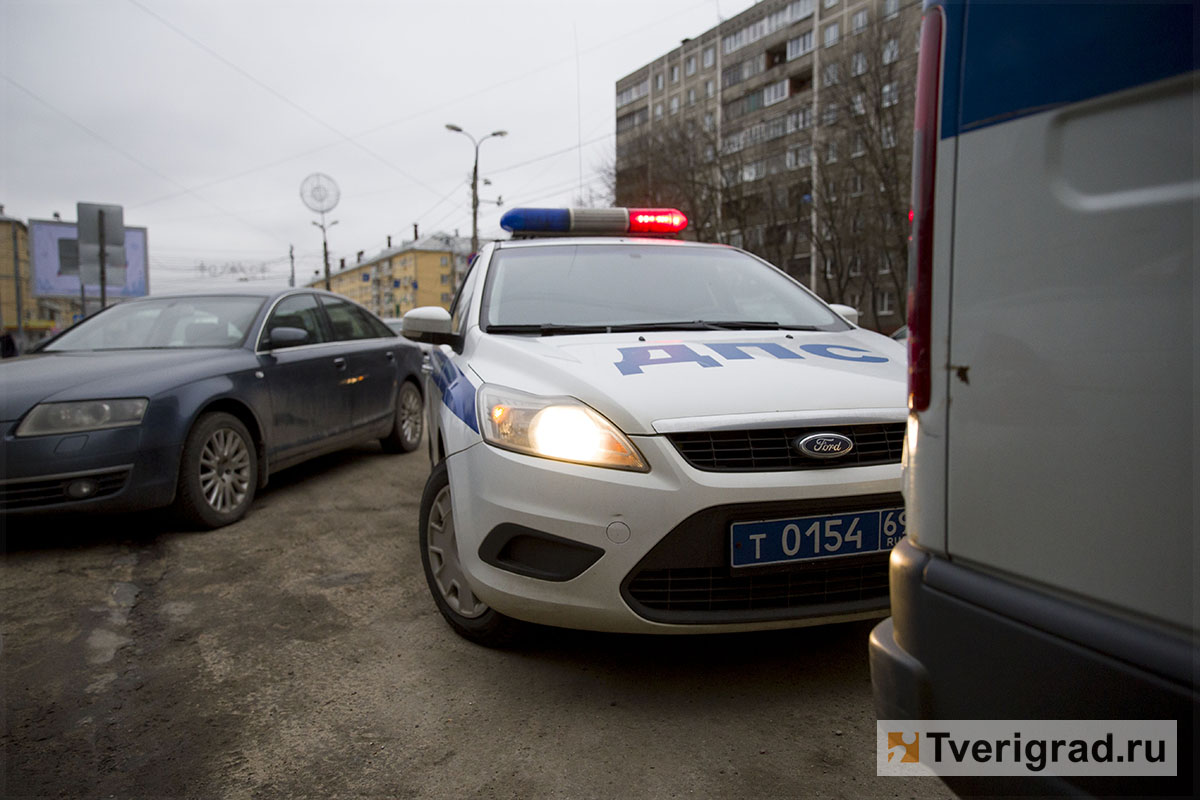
(195, 400)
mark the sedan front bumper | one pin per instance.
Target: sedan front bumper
(619, 527)
(121, 469)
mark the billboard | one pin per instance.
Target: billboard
(54, 252)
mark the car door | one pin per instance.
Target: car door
(310, 400)
(370, 351)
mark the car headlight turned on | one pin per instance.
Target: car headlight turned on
(561, 428)
(83, 415)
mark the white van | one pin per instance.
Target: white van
(1050, 568)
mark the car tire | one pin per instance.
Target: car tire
(218, 472)
(469, 616)
(409, 424)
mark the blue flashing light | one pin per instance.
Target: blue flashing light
(519, 220)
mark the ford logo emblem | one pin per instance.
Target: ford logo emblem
(824, 445)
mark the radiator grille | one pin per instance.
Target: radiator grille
(772, 449)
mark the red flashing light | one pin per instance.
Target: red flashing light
(656, 220)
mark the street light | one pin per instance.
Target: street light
(475, 181)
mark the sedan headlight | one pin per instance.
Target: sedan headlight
(83, 415)
(561, 428)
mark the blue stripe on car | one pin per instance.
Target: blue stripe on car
(457, 392)
(1024, 58)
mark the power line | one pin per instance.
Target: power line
(281, 96)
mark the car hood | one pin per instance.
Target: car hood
(656, 383)
(52, 377)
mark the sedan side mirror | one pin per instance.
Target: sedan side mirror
(431, 325)
(286, 337)
(848, 313)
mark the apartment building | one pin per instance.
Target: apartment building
(24, 316)
(398, 279)
(786, 130)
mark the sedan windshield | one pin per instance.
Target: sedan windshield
(574, 288)
(169, 322)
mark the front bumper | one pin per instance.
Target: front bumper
(129, 469)
(962, 644)
(636, 532)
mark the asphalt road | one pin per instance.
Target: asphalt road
(297, 654)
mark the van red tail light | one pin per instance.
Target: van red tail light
(920, 254)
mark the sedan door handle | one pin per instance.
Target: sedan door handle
(389, 355)
(339, 362)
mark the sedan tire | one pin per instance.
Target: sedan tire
(218, 473)
(405, 435)
(469, 616)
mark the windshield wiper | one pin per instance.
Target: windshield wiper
(555, 328)
(548, 328)
(712, 325)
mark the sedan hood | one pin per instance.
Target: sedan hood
(51, 377)
(648, 383)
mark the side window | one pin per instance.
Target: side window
(462, 300)
(298, 311)
(348, 320)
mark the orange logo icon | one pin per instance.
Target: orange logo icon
(909, 752)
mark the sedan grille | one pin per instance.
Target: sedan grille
(714, 590)
(772, 449)
(687, 578)
(17, 495)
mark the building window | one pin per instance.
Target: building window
(891, 95)
(831, 114)
(710, 56)
(675, 104)
(675, 73)
(800, 119)
(690, 66)
(831, 155)
(753, 171)
(658, 81)
(856, 185)
(691, 97)
(658, 110)
(860, 146)
(887, 136)
(885, 303)
(857, 105)
(829, 75)
(445, 261)
(885, 267)
(859, 21)
(832, 32)
(710, 88)
(855, 266)
(858, 64)
(709, 121)
(891, 51)
(801, 45)
(830, 3)
(799, 156)
(890, 8)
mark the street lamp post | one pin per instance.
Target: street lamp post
(325, 245)
(475, 181)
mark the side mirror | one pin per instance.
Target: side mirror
(286, 337)
(848, 313)
(429, 324)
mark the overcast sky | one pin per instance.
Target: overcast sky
(202, 117)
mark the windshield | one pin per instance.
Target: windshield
(554, 288)
(209, 321)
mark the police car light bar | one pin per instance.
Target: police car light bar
(583, 221)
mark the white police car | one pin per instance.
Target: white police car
(644, 434)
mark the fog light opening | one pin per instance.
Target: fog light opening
(81, 489)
